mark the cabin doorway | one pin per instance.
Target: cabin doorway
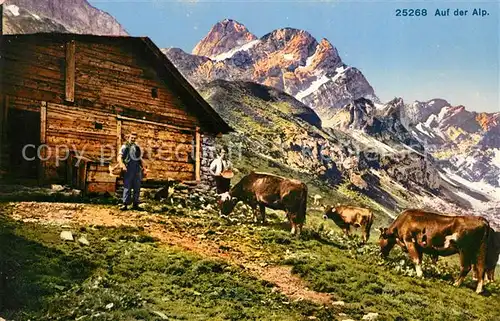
(23, 137)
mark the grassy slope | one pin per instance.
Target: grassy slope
(124, 275)
(45, 278)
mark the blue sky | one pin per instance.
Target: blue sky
(417, 58)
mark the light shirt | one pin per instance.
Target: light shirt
(218, 165)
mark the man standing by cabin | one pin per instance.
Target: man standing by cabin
(131, 162)
(218, 166)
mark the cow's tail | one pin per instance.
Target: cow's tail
(491, 251)
(300, 218)
(483, 249)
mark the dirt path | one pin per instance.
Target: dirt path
(86, 214)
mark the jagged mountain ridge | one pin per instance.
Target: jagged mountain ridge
(459, 144)
(443, 124)
(287, 59)
(467, 142)
(77, 16)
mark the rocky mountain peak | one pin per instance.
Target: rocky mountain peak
(288, 59)
(283, 35)
(325, 56)
(420, 111)
(491, 138)
(223, 37)
(487, 120)
(324, 43)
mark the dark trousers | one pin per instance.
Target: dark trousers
(222, 184)
(131, 180)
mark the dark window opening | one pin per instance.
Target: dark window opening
(98, 125)
(154, 92)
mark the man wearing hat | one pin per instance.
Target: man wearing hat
(131, 162)
(221, 168)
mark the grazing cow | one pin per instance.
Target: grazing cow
(419, 232)
(261, 190)
(345, 216)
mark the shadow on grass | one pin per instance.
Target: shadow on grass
(31, 272)
(19, 193)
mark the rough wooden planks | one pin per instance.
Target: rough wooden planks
(70, 71)
(168, 151)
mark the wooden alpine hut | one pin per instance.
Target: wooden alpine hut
(68, 101)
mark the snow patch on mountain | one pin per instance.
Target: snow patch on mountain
(479, 187)
(372, 143)
(340, 72)
(475, 203)
(315, 85)
(13, 9)
(496, 158)
(426, 131)
(229, 54)
(309, 61)
(432, 120)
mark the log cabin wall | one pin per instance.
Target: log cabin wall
(110, 78)
(169, 152)
(116, 77)
(71, 128)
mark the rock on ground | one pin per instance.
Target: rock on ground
(370, 316)
(83, 240)
(66, 236)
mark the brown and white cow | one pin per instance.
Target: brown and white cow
(419, 232)
(347, 216)
(261, 190)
